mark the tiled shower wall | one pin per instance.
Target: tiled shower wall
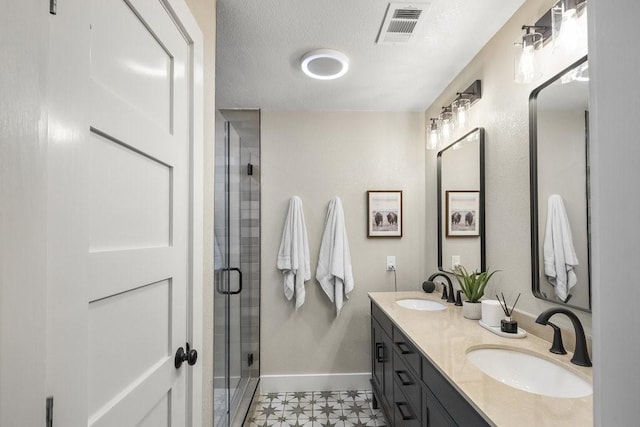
(250, 255)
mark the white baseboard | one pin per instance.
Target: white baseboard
(314, 382)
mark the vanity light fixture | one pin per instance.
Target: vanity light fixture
(526, 62)
(559, 24)
(324, 64)
(456, 113)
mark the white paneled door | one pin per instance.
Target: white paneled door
(135, 228)
(138, 208)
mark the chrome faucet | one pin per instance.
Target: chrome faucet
(580, 355)
(450, 295)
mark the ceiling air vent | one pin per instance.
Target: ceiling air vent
(401, 22)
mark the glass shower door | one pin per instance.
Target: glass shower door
(236, 257)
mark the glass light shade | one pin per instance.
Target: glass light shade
(526, 61)
(461, 111)
(446, 127)
(566, 30)
(433, 136)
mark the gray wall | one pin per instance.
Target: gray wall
(317, 156)
(503, 112)
(614, 176)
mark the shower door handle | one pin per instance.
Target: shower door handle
(236, 292)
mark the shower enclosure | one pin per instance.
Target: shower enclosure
(236, 264)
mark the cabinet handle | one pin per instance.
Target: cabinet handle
(405, 415)
(380, 352)
(404, 348)
(406, 380)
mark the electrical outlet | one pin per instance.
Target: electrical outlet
(455, 261)
(391, 262)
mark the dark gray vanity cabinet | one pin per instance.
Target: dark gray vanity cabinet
(408, 387)
(381, 361)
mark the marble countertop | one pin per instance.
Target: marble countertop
(444, 338)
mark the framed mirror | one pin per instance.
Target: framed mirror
(461, 231)
(559, 186)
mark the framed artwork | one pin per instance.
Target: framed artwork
(462, 211)
(384, 213)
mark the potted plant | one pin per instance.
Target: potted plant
(472, 286)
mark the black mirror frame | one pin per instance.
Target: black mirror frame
(483, 260)
(533, 192)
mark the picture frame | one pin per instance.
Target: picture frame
(384, 213)
(462, 213)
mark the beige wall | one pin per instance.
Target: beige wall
(562, 170)
(503, 112)
(205, 13)
(317, 156)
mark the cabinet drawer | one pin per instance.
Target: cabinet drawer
(458, 407)
(406, 381)
(404, 414)
(407, 351)
(382, 319)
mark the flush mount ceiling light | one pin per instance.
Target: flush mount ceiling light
(325, 64)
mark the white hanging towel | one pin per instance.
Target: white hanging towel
(334, 262)
(293, 256)
(560, 257)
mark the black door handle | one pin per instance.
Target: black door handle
(189, 355)
(222, 291)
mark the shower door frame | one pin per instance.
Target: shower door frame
(236, 402)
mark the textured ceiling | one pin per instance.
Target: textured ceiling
(260, 43)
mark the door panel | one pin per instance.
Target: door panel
(138, 206)
(149, 309)
(159, 415)
(130, 198)
(131, 62)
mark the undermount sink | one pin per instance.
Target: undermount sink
(529, 373)
(420, 304)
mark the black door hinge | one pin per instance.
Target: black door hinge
(49, 414)
(250, 359)
(53, 6)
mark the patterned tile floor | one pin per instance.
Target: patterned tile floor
(351, 408)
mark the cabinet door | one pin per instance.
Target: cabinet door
(444, 393)
(377, 356)
(434, 415)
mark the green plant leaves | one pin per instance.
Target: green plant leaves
(472, 284)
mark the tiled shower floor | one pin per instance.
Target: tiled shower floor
(315, 409)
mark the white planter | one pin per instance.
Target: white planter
(472, 310)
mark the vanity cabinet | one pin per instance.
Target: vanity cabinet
(381, 361)
(408, 387)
